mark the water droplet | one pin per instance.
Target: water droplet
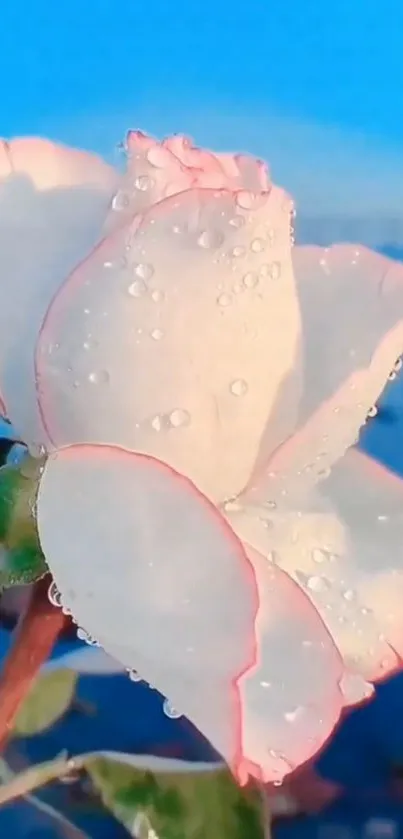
(36, 450)
(392, 376)
(318, 555)
(237, 251)
(89, 344)
(237, 221)
(349, 594)
(143, 183)
(157, 334)
(156, 423)
(398, 366)
(238, 387)
(83, 635)
(134, 676)
(120, 201)
(179, 418)
(265, 684)
(137, 289)
(54, 595)
(257, 245)
(157, 295)
(292, 716)
(99, 377)
(170, 711)
(232, 506)
(144, 270)
(224, 300)
(210, 239)
(250, 280)
(245, 199)
(275, 270)
(316, 583)
(372, 411)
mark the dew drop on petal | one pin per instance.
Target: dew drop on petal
(250, 280)
(143, 183)
(54, 595)
(137, 289)
(157, 295)
(157, 334)
(120, 201)
(237, 221)
(156, 423)
(179, 418)
(134, 676)
(237, 251)
(238, 387)
(224, 300)
(210, 239)
(257, 245)
(144, 270)
(170, 711)
(316, 583)
(99, 377)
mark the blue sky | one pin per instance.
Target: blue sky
(314, 86)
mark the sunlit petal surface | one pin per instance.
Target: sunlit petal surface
(155, 574)
(343, 545)
(53, 203)
(178, 338)
(352, 329)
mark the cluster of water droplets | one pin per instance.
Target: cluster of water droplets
(55, 598)
(167, 706)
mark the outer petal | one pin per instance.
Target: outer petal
(352, 316)
(176, 337)
(153, 173)
(344, 546)
(53, 202)
(155, 574)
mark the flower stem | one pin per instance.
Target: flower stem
(34, 637)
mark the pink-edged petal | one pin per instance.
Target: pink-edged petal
(153, 173)
(53, 203)
(155, 574)
(343, 545)
(352, 328)
(245, 171)
(205, 165)
(178, 338)
(150, 569)
(291, 698)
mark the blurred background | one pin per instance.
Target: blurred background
(316, 89)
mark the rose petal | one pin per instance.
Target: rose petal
(344, 546)
(245, 171)
(153, 173)
(352, 318)
(53, 202)
(155, 574)
(151, 563)
(205, 165)
(291, 698)
(178, 338)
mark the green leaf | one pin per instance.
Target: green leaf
(21, 558)
(49, 698)
(178, 800)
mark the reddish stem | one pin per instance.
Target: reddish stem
(35, 636)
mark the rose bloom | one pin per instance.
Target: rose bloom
(198, 384)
